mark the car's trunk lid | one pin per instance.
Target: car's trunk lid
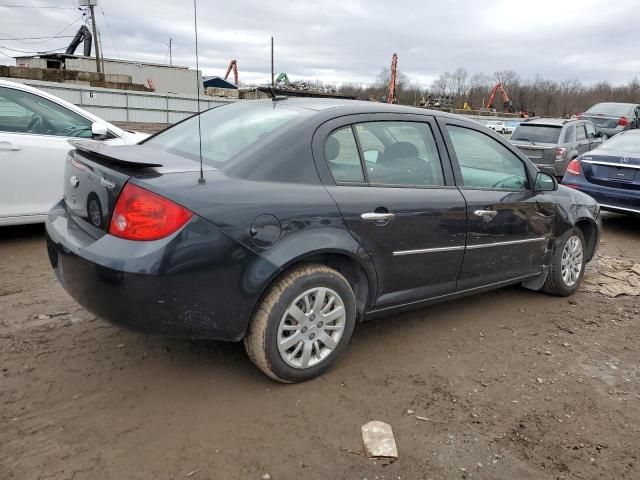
(602, 120)
(96, 173)
(613, 169)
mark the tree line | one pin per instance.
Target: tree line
(544, 97)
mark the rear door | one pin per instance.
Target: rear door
(508, 224)
(582, 142)
(402, 207)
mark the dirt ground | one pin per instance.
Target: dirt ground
(513, 384)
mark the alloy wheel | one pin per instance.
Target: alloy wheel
(311, 327)
(571, 264)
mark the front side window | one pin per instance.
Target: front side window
(591, 130)
(24, 112)
(485, 163)
(400, 153)
(341, 152)
(580, 134)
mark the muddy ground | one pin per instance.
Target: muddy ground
(514, 384)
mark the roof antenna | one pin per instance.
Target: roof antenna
(201, 180)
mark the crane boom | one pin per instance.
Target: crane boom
(233, 65)
(392, 83)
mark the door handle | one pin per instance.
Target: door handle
(486, 215)
(377, 217)
(9, 147)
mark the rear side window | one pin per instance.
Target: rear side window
(341, 152)
(400, 153)
(484, 162)
(580, 133)
(570, 134)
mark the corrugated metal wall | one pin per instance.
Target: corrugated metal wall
(128, 106)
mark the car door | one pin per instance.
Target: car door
(594, 139)
(398, 200)
(583, 143)
(508, 223)
(33, 147)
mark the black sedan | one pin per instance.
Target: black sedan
(287, 221)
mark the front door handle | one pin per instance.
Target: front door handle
(8, 146)
(486, 215)
(377, 217)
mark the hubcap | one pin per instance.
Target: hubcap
(311, 327)
(571, 261)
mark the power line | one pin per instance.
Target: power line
(57, 35)
(38, 6)
(109, 30)
(31, 51)
(36, 38)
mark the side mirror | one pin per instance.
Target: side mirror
(545, 183)
(598, 134)
(99, 130)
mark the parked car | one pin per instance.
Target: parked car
(610, 173)
(34, 131)
(510, 127)
(551, 143)
(497, 126)
(303, 216)
(612, 118)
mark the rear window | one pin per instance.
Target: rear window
(226, 131)
(615, 109)
(623, 143)
(537, 133)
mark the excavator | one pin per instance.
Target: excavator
(233, 65)
(83, 35)
(506, 102)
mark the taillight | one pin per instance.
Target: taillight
(623, 122)
(579, 115)
(560, 153)
(142, 215)
(574, 167)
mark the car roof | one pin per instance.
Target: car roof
(356, 106)
(550, 122)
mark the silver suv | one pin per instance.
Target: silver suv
(551, 143)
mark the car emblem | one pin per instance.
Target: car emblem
(74, 181)
(624, 160)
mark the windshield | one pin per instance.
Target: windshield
(615, 109)
(226, 131)
(627, 143)
(537, 133)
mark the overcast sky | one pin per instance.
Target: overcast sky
(352, 40)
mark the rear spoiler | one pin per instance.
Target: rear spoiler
(128, 155)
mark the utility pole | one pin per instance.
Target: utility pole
(170, 52)
(273, 78)
(95, 34)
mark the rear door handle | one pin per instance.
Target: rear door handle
(377, 217)
(8, 146)
(486, 215)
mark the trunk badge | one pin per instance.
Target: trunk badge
(74, 181)
(624, 160)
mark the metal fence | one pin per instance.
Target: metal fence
(128, 106)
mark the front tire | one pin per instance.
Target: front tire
(302, 324)
(567, 264)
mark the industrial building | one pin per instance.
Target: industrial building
(157, 77)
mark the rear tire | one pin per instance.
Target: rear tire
(303, 323)
(567, 264)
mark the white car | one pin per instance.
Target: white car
(34, 131)
(497, 126)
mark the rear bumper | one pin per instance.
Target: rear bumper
(197, 283)
(609, 199)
